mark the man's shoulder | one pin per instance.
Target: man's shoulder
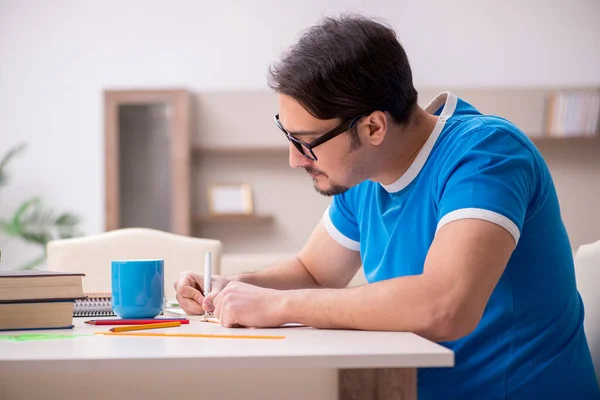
(464, 125)
(487, 145)
(485, 133)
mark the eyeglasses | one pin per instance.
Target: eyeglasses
(306, 148)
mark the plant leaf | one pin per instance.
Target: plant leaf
(67, 225)
(4, 162)
(33, 222)
(24, 209)
(8, 228)
(37, 224)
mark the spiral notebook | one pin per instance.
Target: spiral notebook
(96, 304)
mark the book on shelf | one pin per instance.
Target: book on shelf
(38, 299)
(573, 113)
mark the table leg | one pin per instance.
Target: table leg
(377, 384)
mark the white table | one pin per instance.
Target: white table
(140, 362)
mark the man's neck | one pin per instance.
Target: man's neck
(405, 144)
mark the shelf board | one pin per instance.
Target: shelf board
(252, 218)
(241, 151)
(255, 151)
(546, 137)
(565, 139)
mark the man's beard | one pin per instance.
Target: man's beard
(332, 190)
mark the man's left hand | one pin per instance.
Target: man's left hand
(241, 304)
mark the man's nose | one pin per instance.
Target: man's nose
(297, 159)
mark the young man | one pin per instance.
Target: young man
(453, 215)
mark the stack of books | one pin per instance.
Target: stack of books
(38, 299)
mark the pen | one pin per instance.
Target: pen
(207, 273)
(207, 280)
(147, 326)
(134, 321)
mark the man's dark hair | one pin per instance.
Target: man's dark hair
(347, 67)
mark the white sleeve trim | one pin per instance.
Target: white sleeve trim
(337, 235)
(486, 215)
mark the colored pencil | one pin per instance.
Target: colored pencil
(193, 335)
(135, 321)
(146, 326)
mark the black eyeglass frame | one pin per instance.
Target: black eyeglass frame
(301, 145)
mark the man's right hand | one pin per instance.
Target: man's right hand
(190, 292)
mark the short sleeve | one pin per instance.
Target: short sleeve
(488, 176)
(340, 221)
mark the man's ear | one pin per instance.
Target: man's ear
(377, 123)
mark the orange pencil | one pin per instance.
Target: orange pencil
(194, 335)
(172, 324)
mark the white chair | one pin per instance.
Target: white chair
(92, 255)
(587, 272)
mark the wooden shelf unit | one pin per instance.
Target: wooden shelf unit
(250, 149)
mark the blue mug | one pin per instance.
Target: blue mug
(138, 288)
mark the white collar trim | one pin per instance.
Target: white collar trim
(449, 100)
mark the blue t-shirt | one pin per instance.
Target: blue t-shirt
(530, 342)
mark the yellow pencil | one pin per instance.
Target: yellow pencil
(193, 335)
(145, 326)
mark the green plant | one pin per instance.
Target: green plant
(33, 222)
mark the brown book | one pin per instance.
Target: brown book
(31, 286)
(30, 315)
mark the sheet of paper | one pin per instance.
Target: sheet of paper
(173, 312)
(178, 312)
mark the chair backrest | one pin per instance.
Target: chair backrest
(587, 270)
(92, 255)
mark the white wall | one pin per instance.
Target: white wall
(57, 56)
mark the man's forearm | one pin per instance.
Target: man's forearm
(284, 275)
(403, 304)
